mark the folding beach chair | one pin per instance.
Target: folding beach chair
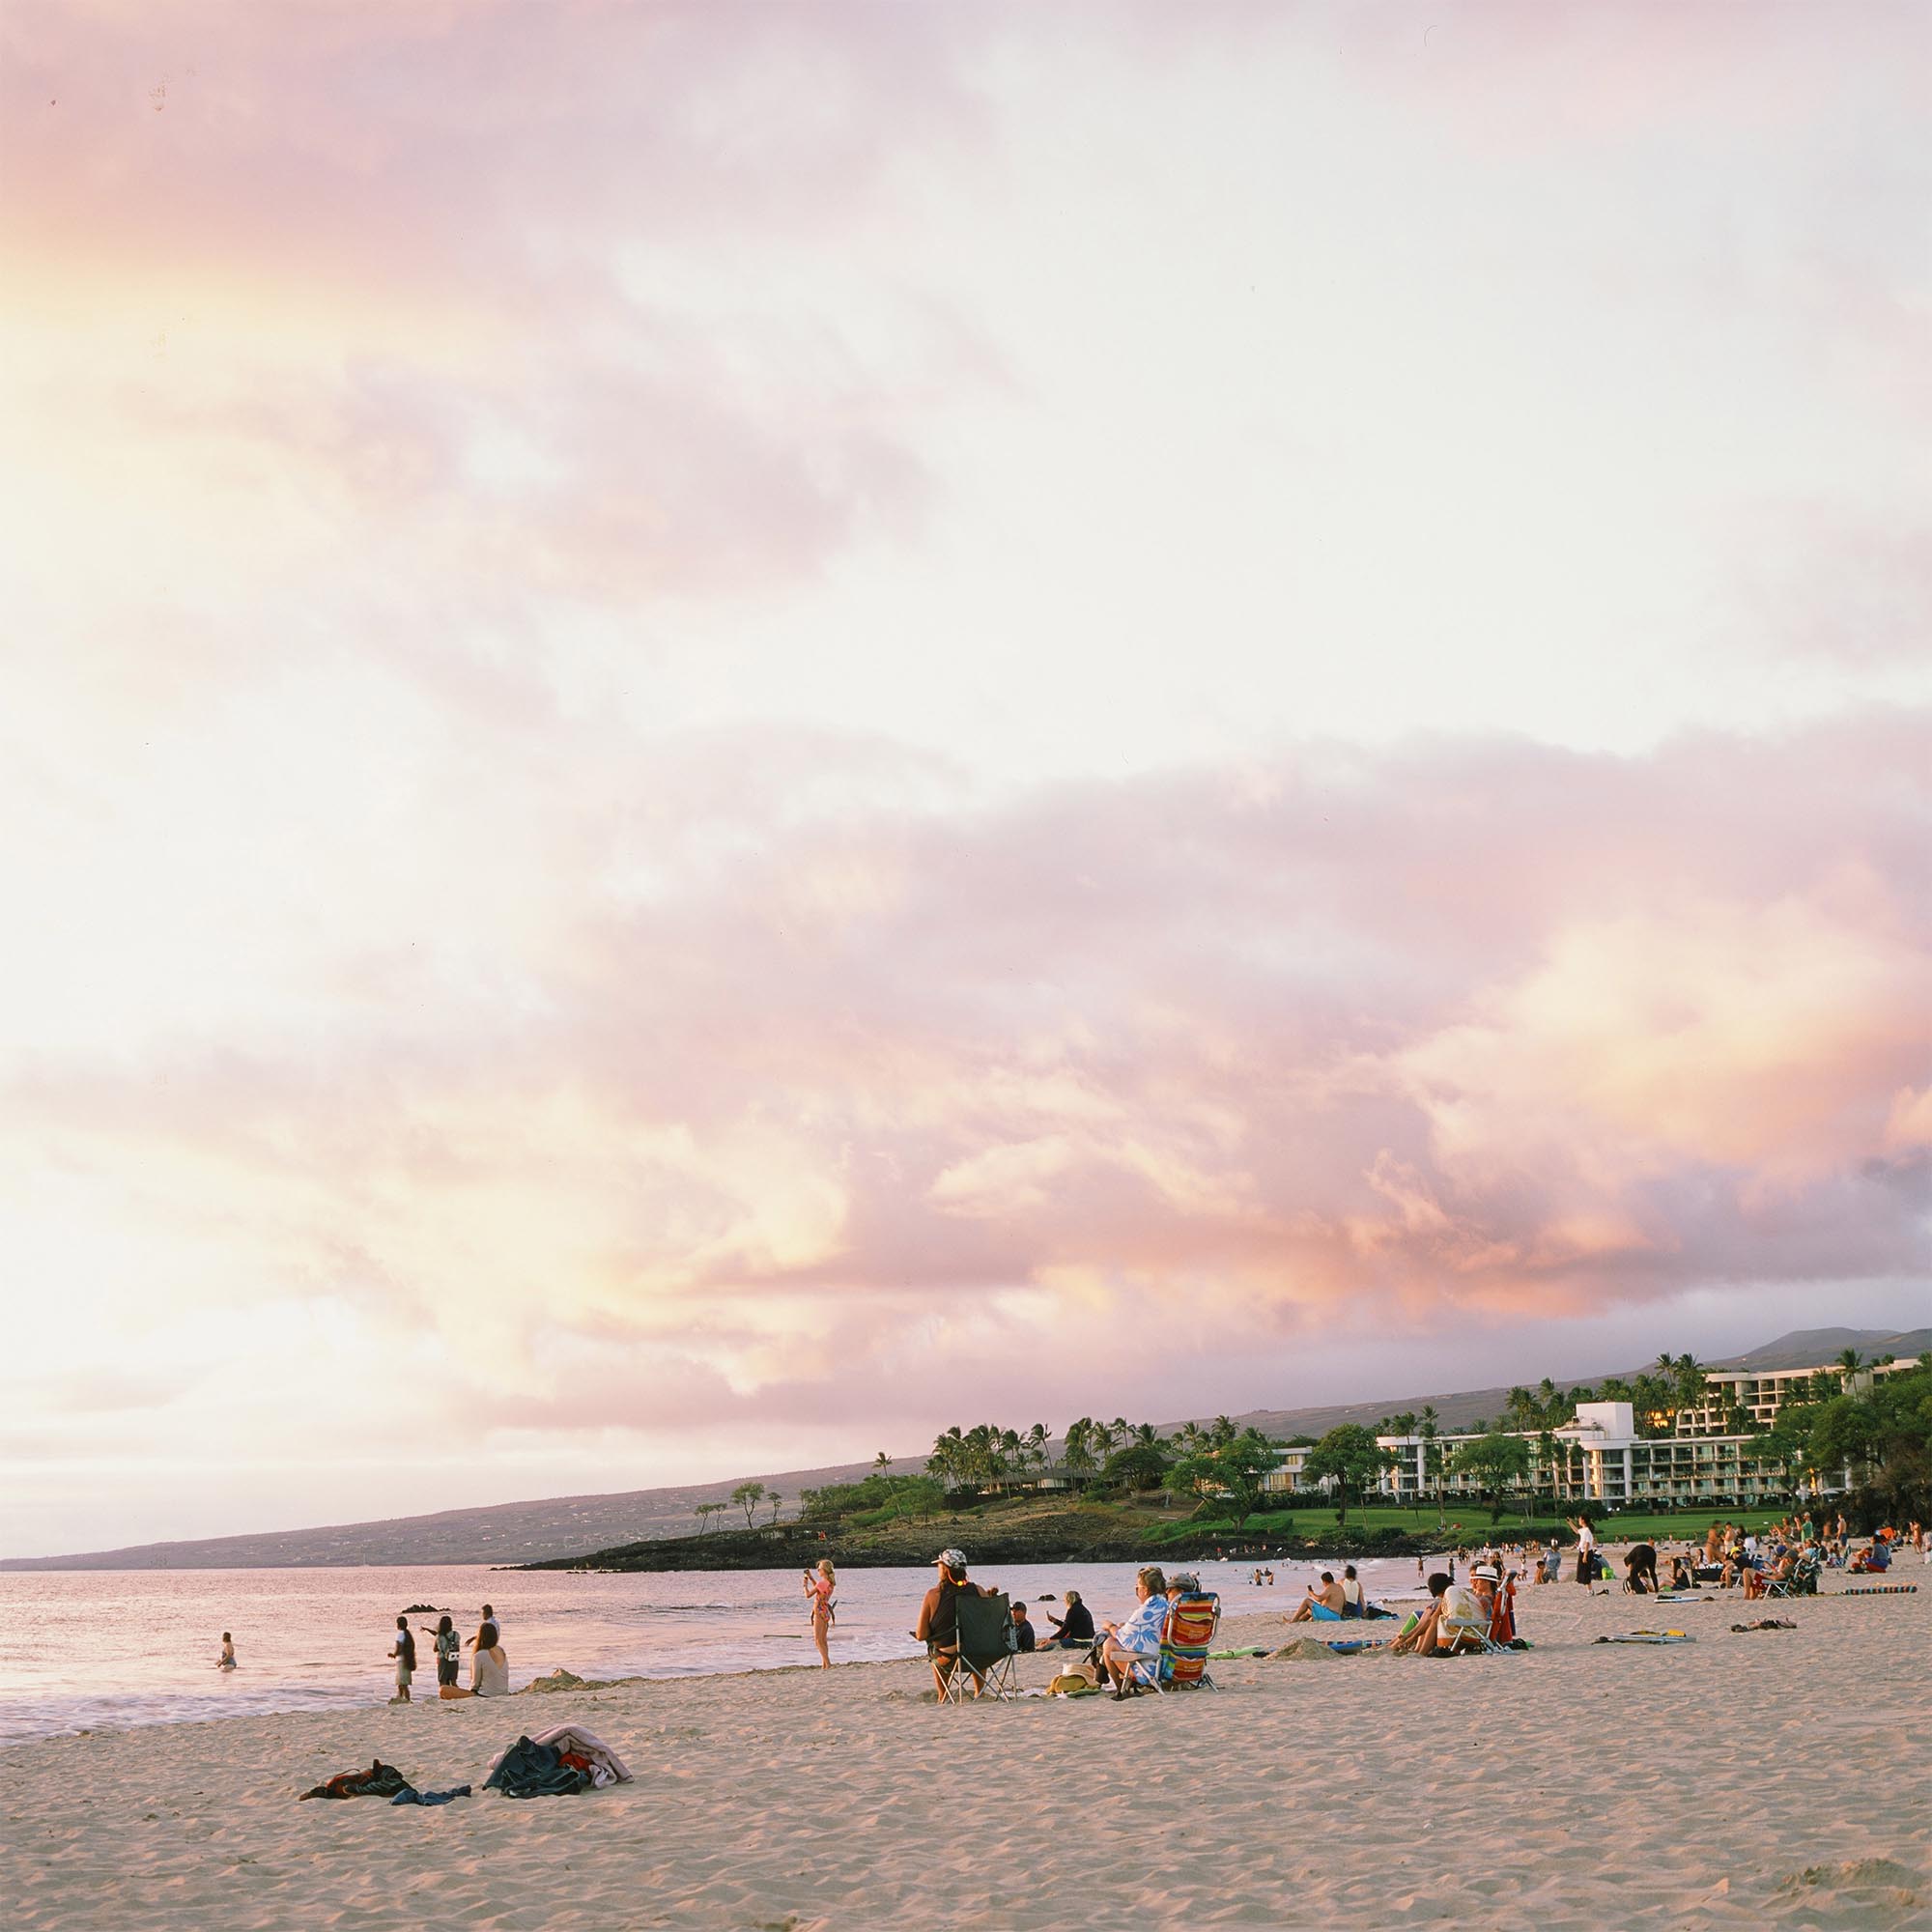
(1473, 1634)
(1186, 1636)
(988, 1646)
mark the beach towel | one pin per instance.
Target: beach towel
(1648, 1636)
(579, 1748)
(531, 1770)
(380, 1781)
(409, 1795)
(1763, 1624)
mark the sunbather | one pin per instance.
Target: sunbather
(1322, 1603)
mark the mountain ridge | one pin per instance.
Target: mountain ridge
(555, 1526)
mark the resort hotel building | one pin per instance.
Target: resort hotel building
(1601, 1455)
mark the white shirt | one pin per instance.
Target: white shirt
(1586, 1538)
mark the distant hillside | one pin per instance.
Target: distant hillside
(559, 1527)
(1805, 1348)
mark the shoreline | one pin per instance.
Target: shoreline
(1576, 1784)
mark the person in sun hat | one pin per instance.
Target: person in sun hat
(938, 1626)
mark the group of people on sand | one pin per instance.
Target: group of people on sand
(489, 1662)
(1125, 1653)
(1461, 1616)
(1334, 1598)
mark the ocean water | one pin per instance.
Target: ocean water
(107, 1649)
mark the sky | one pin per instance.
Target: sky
(729, 732)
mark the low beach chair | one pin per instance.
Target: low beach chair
(984, 1664)
(1473, 1636)
(1186, 1636)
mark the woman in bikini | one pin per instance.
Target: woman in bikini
(819, 1586)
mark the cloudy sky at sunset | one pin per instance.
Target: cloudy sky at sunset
(730, 730)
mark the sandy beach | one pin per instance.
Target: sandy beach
(1778, 1776)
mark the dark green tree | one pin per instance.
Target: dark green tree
(1234, 1471)
(1352, 1458)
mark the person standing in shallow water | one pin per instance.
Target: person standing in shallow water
(226, 1661)
(818, 1588)
(404, 1651)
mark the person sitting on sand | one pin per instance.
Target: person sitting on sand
(1464, 1609)
(938, 1626)
(1681, 1575)
(488, 1668)
(1420, 1637)
(226, 1661)
(1353, 1600)
(1322, 1604)
(1075, 1630)
(1131, 1651)
(1025, 1636)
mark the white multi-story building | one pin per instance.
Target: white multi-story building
(1601, 1457)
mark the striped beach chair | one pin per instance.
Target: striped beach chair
(1186, 1636)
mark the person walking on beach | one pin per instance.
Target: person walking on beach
(818, 1588)
(448, 1651)
(404, 1651)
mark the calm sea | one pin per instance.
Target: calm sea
(92, 1649)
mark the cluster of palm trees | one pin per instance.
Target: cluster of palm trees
(988, 1457)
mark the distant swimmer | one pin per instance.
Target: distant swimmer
(226, 1661)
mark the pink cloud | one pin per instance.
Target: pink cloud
(1467, 1026)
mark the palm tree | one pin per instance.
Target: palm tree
(1080, 1437)
(882, 1464)
(1430, 1464)
(1546, 1447)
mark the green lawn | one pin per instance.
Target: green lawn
(1474, 1518)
